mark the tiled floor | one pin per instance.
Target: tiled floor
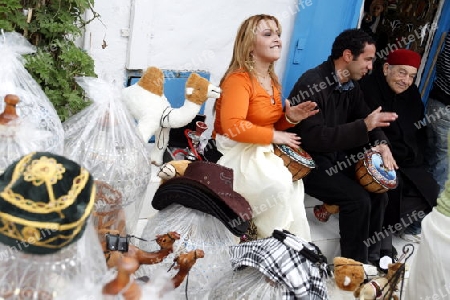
(326, 235)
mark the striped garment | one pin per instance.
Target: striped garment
(443, 67)
(283, 262)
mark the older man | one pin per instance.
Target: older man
(392, 87)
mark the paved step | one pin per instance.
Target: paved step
(324, 235)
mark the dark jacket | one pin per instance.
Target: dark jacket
(339, 126)
(407, 135)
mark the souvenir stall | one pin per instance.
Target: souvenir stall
(201, 206)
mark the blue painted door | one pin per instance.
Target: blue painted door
(316, 25)
(428, 74)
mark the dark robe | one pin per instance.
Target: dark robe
(407, 137)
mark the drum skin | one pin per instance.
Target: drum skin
(372, 175)
(298, 161)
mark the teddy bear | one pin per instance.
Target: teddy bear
(172, 169)
(148, 105)
(380, 287)
(348, 273)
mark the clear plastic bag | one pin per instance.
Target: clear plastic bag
(18, 138)
(49, 276)
(103, 138)
(247, 283)
(36, 112)
(197, 230)
(159, 288)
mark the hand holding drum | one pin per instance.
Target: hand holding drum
(386, 154)
(373, 175)
(286, 138)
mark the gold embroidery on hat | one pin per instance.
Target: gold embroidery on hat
(9, 227)
(43, 171)
(31, 233)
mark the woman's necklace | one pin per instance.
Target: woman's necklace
(266, 83)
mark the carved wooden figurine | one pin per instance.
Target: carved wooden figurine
(165, 241)
(123, 284)
(185, 262)
(9, 112)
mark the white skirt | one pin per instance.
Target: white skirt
(262, 179)
(430, 270)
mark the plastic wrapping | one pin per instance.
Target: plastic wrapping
(49, 276)
(198, 230)
(247, 283)
(18, 137)
(157, 289)
(103, 138)
(34, 107)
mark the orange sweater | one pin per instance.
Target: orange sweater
(244, 112)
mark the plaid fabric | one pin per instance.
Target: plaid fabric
(283, 264)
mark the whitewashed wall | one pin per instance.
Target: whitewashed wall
(175, 34)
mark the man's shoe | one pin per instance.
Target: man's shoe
(382, 264)
(321, 213)
(392, 253)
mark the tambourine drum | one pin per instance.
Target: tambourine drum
(298, 161)
(372, 174)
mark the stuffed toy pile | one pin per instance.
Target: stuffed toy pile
(153, 112)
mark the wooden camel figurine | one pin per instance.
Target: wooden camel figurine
(165, 242)
(184, 264)
(124, 285)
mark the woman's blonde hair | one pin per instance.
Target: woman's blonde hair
(243, 45)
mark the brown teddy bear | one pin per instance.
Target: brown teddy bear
(379, 287)
(348, 273)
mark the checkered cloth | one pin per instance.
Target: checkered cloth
(284, 264)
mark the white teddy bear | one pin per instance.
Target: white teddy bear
(148, 105)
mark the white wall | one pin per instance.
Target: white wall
(174, 34)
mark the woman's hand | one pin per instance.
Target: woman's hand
(286, 138)
(300, 112)
(388, 160)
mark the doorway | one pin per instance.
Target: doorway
(410, 24)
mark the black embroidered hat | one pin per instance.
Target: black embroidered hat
(45, 201)
(207, 187)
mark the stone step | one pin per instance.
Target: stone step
(324, 235)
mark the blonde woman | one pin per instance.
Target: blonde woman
(250, 118)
